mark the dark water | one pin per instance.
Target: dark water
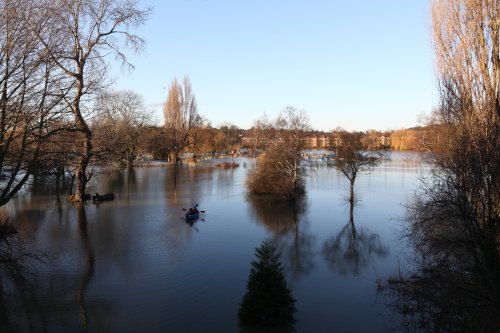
(134, 265)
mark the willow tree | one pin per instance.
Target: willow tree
(79, 36)
(182, 118)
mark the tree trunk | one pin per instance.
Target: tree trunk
(351, 193)
(81, 171)
(130, 160)
(171, 157)
(58, 181)
(175, 157)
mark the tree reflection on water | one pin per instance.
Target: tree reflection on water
(11, 276)
(284, 219)
(89, 267)
(352, 249)
(37, 292)
(455, 283)
(16, 291)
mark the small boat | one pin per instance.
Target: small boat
(103, 197)
(192, 213)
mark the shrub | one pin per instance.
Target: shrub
(277, 171)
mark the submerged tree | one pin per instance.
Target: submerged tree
(261, 134)
(454, 223)
(182, 118)
(152, 140)
(29, 98)
(121, 117)
(78, 36)
(352, 161)
(279, 170)
(268, 300)
(230, 137)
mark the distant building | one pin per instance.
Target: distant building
(311, 141)
(317, 141)
(323, 141)
(416, 138)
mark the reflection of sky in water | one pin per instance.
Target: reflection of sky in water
(152, 270)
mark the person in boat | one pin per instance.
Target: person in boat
(194, 210)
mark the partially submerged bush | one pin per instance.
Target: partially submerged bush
(277, 171)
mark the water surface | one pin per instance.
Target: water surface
(134, 265)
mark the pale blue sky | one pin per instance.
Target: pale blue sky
(355, 64)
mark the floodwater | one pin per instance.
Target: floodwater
(133, 265)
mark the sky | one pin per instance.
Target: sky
(358, 64)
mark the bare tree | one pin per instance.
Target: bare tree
(292, 125)
(79, 35)
(230, 137)
(351, 160)
(454, 223)
(29, 103)
(279, 170)
(121, 116)
(209, 140)
(152, 141)
(467, 44)
(59, 154)
(182, 118)
(260, 131)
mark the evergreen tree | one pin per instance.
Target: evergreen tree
(268, 300)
